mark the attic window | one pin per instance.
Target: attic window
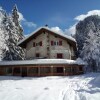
(55, 36)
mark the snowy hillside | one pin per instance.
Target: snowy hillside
(83, 87)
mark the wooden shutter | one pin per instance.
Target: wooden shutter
(60, 43)
(33, 44)
(40, 43)
(52, 43)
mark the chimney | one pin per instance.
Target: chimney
(46, 25)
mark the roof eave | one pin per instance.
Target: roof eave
(23, 42)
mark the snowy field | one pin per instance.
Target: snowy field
(82, 87)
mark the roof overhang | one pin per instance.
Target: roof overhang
(41, 62)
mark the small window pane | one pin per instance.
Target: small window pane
(9, 70)
(58, 69)
(44, 70)
(17, 70)
(68, 69)
(33, 70)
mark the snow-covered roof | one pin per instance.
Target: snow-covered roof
(41, 61)
(46, 28)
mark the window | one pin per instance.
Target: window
(59, 55)
(45, 70)
(74, 70)
(37, 55)
(33, 44)
(24, 71)
(57, 43)
(48, 48)
(36, 44)
(55, 36)
(54, 43)
(80, 69)
(33, 70)
(9, 70)
(60, 43)
(17, 70)
(67, 69)
(58, 69)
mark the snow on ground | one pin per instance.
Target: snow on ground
(81, 87)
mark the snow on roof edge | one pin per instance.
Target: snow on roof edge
(66, 36)
(28, 36)
(41, 61)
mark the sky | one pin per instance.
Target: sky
(59, 15)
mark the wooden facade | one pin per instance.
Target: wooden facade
(41, 70)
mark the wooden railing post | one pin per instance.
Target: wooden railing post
(51, 70)
(64, 70)
(38, 70)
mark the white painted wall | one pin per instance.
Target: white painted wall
(42, 50)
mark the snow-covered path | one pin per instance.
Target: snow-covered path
(82, 87)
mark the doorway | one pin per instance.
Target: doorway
(24, 71)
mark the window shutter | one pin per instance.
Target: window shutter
(40, 43)
(60, 43)
(33, 44)
(52, 43)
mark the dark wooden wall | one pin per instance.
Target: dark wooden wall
(42, 70)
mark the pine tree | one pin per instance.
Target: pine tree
(83, 28)
(3, 33)
(14, 30)
(15, 19)
(88, 41)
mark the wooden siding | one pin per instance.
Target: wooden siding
(42, 70)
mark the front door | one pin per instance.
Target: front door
(24, 71)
